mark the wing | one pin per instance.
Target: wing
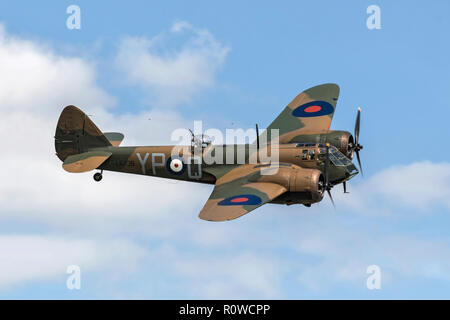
(237, 193)
(310, 112)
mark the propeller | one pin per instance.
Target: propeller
(328, 185)
(356, 147)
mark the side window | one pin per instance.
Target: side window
(304, 154)
(312, 154)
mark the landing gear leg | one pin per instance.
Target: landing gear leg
(98, 176)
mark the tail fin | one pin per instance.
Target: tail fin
(76, 133)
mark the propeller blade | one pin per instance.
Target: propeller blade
(357, 124)
(356, 147)
(331, 198)
(359, 163)
(257, 137)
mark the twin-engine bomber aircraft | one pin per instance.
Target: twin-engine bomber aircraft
(312, 158)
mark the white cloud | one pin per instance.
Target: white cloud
(343, 255)
(239, 276)
(26, 258)
(35, 79)
(180, 26)
(419, 186)
(34, 85)
(172, 76)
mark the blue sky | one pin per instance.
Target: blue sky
(234, 64)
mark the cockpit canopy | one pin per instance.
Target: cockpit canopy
(337, 158)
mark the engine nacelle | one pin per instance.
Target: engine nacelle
(308, 184)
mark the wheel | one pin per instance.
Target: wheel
(98, 176)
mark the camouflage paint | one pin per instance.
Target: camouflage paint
(239, 188)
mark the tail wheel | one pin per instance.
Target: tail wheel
(98, 176)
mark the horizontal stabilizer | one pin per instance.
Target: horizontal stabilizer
(114, 137)
(86, 161)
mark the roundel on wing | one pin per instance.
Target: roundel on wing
(241, 200)
(175, 165)
(313, 109)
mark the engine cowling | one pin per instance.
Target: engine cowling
(309, 183)
(343, 140)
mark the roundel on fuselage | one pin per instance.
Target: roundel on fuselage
(175, 165)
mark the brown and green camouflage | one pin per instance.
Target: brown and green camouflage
(296, 177)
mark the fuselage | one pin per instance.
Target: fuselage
(197, 163)
(300, 160)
